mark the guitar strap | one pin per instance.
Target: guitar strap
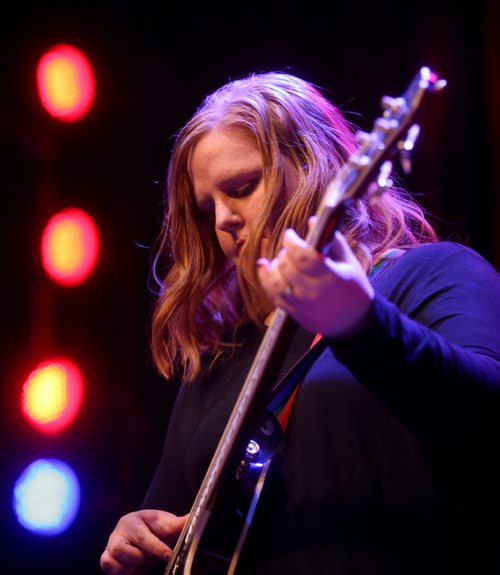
(282, 402)
(283, 394)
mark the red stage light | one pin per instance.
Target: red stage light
(66, 83)
(70, 247)
(53, 395)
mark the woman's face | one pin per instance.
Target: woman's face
(227, 174)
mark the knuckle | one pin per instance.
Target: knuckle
(159, 524)
(140, 536)
(115, 549)
(105, 562)
(110, 561)
(304, 258)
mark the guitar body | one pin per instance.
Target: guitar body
(227, 517)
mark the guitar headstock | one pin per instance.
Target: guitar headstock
(392, 133)
(399, 112)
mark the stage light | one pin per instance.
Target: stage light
(52, 395)
(70, 247)
(66, 83)
(46, 497)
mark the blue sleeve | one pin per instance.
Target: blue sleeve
(432, 349)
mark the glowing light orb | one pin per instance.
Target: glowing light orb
(70, 247)
(46, 497)
(52, 395)
(66, 83)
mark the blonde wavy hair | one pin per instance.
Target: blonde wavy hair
(203, 299)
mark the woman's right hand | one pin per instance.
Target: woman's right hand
(139, 540)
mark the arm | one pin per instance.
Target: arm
(432, 355)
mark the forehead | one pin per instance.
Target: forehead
(224, 153)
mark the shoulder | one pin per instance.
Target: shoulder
(441, 260)
(439, 253)
(437, 271)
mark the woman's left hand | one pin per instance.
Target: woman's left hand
(327, 295)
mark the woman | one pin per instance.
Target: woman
(391, 425)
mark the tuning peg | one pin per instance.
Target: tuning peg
(364, 138)
(359, 160)
(430, 80)
(406, 146)
(386, 124)
(393, 104)
(383, 181)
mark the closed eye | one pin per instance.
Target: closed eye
(245, 190)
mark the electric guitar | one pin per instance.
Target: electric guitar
(213, 537)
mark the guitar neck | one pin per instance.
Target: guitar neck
(249, 405)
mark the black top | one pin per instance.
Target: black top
(388, 463)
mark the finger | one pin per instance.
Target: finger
(311, 222)
(263, 263)
(272, 281)
(171, 526)
(139, 548)
(110, 565)
(165, 527)
(303, 257)
(140, 535)
(144, 544)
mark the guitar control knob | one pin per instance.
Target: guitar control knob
(250, 461)
(253, 450)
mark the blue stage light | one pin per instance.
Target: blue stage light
(47, 497)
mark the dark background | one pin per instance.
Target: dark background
(154, 63)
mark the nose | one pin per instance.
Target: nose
(227, 218)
